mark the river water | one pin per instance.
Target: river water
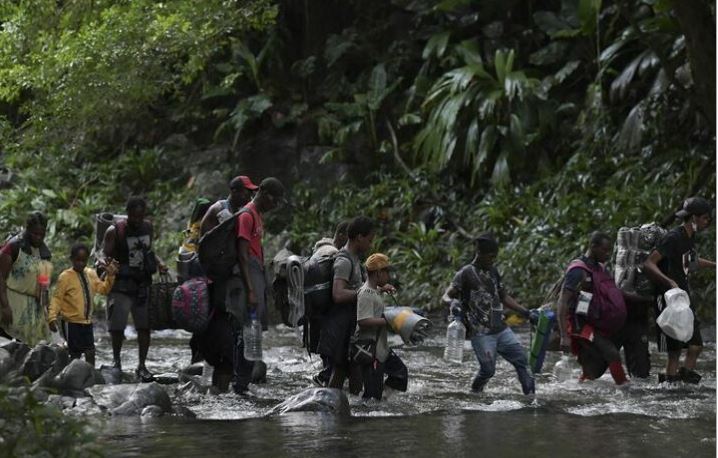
(437, 416)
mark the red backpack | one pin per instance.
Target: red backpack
(607, 310)
(190, 305)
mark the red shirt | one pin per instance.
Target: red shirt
(250, 228)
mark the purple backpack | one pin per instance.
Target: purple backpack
(607, 310)
(190, 305)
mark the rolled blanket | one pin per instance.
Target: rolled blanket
(295, 283)
(412, 327)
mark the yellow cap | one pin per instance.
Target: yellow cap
(377, 261)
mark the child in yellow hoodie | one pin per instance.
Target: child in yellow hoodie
(72, 302)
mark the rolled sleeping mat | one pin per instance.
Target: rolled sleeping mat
(102, 222)
(541, 339)
(295, 288)
(412, 327)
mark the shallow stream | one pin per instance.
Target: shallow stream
(438, 416)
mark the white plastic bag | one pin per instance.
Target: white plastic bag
(676, 319)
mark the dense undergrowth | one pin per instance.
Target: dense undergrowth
(538, 122)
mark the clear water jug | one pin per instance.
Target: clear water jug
(564, 368)
(455, 336)
(252, 334)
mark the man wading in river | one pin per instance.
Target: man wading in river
(250, 227)
(669, 265)
(340, 321)
(590, 339)
(476, 293)
(240, 192)
(130, 243)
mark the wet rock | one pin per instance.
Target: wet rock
(192, 384)
(130, 399)
(182, 411)
(167, 378)
(38, 361)
(259, 372)
(40, 395)
(329, 400)
(7, 363)
(111, 375)
(77, 376)
(99, 379)
(194, 369)
(63, 402)
(152, 411)
(85, 407)
(18, 350)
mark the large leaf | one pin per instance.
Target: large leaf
(620, 84)
(500, 175)
(549, 22)
(588, 14)
(377, 87)
(470, 52)
(488, 140)
(436, 46)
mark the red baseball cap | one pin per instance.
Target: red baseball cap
(244, 181)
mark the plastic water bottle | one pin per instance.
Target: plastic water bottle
(563, 370)
(455, 335)
(253, 339)
(207, 371)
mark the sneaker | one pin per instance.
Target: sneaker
(689, 376)
(240, 389)
(477, 386)
(144, 375)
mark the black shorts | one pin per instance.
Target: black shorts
(216, 343)
(666, 343)
(80, 337)
(337, 328)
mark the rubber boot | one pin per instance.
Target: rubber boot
(617, 372)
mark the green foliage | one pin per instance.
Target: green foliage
(28, 428)
(93, 70)
(494, 117)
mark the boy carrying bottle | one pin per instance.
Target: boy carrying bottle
(72, 302)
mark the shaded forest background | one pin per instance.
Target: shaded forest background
(540, 121)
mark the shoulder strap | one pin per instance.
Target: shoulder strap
(343, 254)
(121, 229)
(580, 264)
(244, 210)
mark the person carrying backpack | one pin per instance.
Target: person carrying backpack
(24, 259)
(669, 265)
(340, 320)
(591, 309)
(477, 293)
(240, 193)
(325, 247)
(253, 298)
(129, 242)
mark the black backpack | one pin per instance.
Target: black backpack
(217, 250)
(318, 280)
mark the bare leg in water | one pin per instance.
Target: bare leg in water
(143, 342)
(117, 338)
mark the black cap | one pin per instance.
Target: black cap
(695, 206)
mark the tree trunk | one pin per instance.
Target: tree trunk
(698, 26)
